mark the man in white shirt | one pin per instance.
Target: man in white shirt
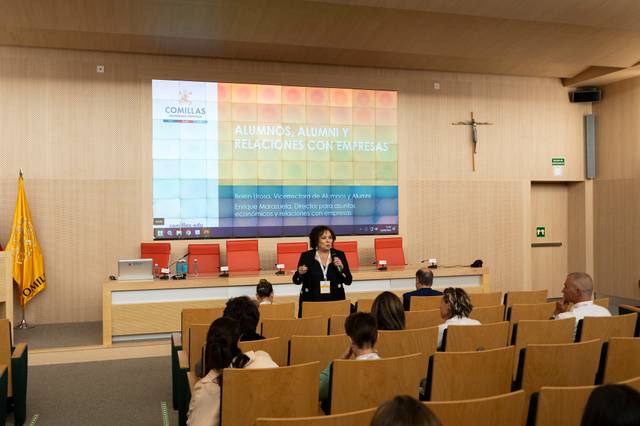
(578, 289)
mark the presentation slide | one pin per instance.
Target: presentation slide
(250, 160)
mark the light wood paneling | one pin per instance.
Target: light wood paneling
(6, 286)
(84, 142)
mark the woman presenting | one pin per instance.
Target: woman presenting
(323, 271)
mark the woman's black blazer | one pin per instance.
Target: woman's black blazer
(310, 281)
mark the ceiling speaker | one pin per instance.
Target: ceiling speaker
(586, 94)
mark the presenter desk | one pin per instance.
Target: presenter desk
(151, 309)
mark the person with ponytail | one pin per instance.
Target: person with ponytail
(221, 351)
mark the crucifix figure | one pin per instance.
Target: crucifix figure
(474, 133)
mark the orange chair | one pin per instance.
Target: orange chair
(389, 249)
(289, 254)
(159, 252)
(350, 249)
(208, 256)
(242, 256)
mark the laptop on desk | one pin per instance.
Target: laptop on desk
(135, 269)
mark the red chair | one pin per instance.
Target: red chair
(208, 256)
(389, 249)
(350, 249)
(289, 254)
(242, 256)
(159, 252)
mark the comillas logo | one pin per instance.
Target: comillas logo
(185, 108)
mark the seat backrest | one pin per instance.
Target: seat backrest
(568, 364)
(274, 392)
(536, 311)
(277, 310)
(336, 324)
(561, 405)
(323, 349)
(466, 375)
(425, 303)
(479, 300)
(5, 350)
(634, 383)
(604, 302)
(422, 319)
(354, 418)
(364, 305)
(627, 309)
(389, 249)
(197, 316)
(623, 359)
(607, 327)
(242, 256)
(527, 332)
(197, 340)
(350, 249)
(462, 338)
(208, 256)
(500, 410)
(406, 342)
(272, 346)
(488, 314)
(357, 385)
(159, 252)
(288, 254)
(525, 297)
(285, 328)
(326, 309)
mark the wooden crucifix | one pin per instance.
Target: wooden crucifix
(474, 133)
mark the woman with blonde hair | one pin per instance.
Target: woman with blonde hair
(455, 308)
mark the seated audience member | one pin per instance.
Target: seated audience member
(221, 352)
(612, 405)
(455, 308)
(404, 410)
(362, 330)
(424, 280)
(245, 312)
(578, 290)
(264, 292)
(388, 311)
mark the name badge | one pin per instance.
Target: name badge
(325, 287)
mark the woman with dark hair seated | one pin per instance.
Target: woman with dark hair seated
(322, 271)
(455, 308)
(245, 312)
(221, 352)
(264, 292)
(612, 405)
(389, 312)
(404, 410)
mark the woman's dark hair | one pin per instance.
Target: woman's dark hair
(362, 328)
(458, 301)
(388, 310)
(264, 289)
(424, 277)
(612, 405)
(245, 312)
(317, 232)
(404, 410)
(222, 350)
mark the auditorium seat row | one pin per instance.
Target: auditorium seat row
(243, 255)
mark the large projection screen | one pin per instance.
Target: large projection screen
(250, 160)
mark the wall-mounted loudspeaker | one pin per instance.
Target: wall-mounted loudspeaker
(586, 94)
(590, 145)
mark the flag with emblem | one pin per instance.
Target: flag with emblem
(28, 263)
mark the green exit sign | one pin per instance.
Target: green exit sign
(557, 161)
(540, 232)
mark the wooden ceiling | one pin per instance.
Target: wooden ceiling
(585, 42)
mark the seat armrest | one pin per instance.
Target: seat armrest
(19, 365)
(183, 360)
(19, 351)
(176, 340)
(4, 379)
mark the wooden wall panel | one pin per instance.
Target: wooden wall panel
(616, 197)
(84, 142)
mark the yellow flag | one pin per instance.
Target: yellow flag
(28, 263)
